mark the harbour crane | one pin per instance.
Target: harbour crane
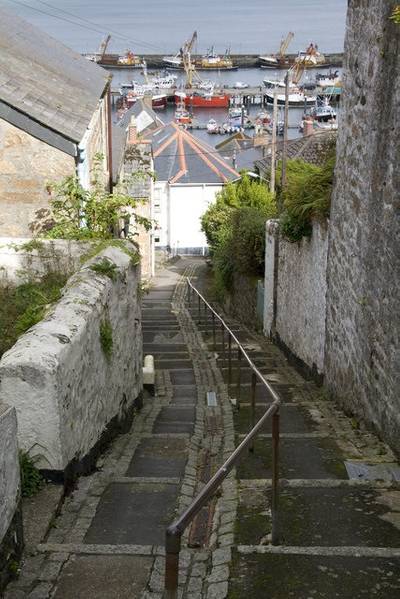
(285, 44)
(188, 65)
(103, 47)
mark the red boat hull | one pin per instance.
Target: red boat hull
(215, 101)
(159, 102)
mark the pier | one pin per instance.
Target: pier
(248, 96)
(241, 61)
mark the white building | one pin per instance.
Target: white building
(189, 173)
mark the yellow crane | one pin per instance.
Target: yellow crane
(103, 48)
(188, 65)
(285, 44)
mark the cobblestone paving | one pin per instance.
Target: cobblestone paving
(102, 547)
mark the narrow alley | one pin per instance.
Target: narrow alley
(338, 536)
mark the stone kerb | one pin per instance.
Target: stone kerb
(78, 372)
(23, 259)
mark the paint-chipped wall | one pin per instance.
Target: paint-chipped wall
(27, 165)
(297, 281)
(66, 388)
(363, 310)
(10, 515)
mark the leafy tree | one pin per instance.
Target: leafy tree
(78, 213)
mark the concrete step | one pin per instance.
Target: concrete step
(301, 458)
(172, 364)
(132, 513)
(156, 457)
(291, 576)
(319, 516)
(293, 419)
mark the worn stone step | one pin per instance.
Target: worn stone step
(293, 419)
(183, 377)
(167, 348)
(103, 577)
(156, 457)
(291, 576)
(298, 458)
(163, 337)
(308, 516)
(131, 513)
(173, 427)
(172, 364)
(176, 414)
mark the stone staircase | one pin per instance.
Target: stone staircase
(338, 537)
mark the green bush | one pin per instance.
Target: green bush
(23, 306)
(306, 196)
(105, 267)
(31, 479)
(106, 337)
(235, 230)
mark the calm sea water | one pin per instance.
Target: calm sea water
(160, 26)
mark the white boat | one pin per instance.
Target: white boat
(269, 61)
(324, 113)
(173, 62)
(240, 85)
(277, 83)
(332, 79)
(296, 98)
(212, 126)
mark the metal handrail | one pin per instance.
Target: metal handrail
(175, 530)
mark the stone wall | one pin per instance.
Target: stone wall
(68, 391)
(27, 165)
(25, 259)
(11, 540)
(363, 309)
(295, 294)
(242, 301)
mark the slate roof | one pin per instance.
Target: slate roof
(243, 146)
(179, 157)
(313, 149)
(146, 121)
(44, 79)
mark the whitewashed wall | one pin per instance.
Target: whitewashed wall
(20, 262)
(57, 376)
(181, 208)
(300, 294)
(9, 468)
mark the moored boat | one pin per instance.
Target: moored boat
(182, 115)
(212, 126)
(296, 98)
(203, 99)
(159, 101)
(214, 62)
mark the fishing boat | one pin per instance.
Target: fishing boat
(212, 126)
(182, 116)
(310, 58)
(214, 62)
(331, 79)
(323, 115)
(159, 101)
(276, 83)
(296, 97)
(173, 62)
(200, 99)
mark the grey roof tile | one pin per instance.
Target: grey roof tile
(46, 80)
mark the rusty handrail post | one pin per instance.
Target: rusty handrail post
(223, 345)
(275, 478)
(189, 293)
(198, 309)
(239, 379)
(213, 325)
(253, 406)
(172, 549)
(229, 362)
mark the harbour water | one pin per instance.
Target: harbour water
(161, 26)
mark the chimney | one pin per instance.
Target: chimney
(132, 131)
